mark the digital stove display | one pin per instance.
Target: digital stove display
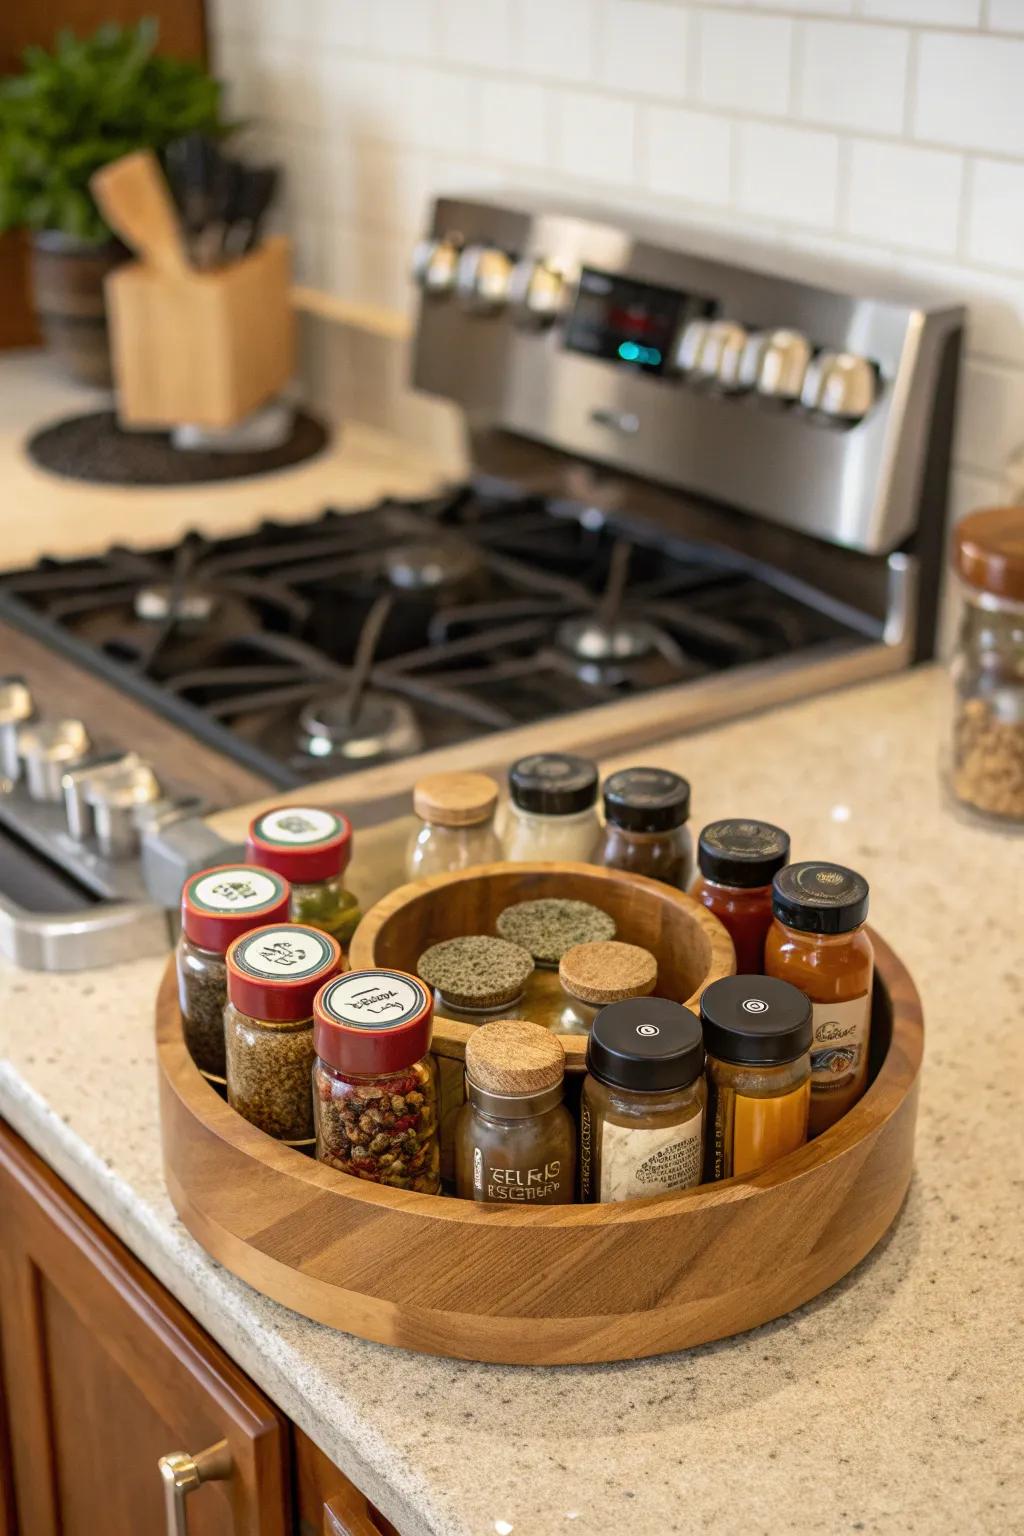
(624, 321)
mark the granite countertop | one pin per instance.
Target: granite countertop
(890, 1404)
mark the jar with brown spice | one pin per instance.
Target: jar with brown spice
(817, 943)
(515, 1141)
(642, 1109)
(738, 861)
(311, 848)
(456, 811)
(645, 831)
(274, 973)
(218, 906)
(594, 975)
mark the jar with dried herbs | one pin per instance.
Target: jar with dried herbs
(475, 977)
(374, 1080)
(218, 906)
(274, 974)
(311, 848)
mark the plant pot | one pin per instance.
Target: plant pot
(67, 283)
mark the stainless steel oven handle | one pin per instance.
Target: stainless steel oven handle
(82, 941)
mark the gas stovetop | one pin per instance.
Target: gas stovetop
(312, 649)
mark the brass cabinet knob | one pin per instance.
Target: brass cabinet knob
(182, 1474)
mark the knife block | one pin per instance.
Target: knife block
(206, 348)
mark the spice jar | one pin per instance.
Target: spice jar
(818, 944)
(645, 831)
(311, 848)
(457, 812)
(476, 978)
(738, 861)
(642, 1109)
(217, 907)
(374, 1081)
(274, 973)
(594, 975)
(986, 773)
(757, 1034)
(552, 809)
(515, 1139)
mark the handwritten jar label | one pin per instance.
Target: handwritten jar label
(653, 1162)
(840, 1045)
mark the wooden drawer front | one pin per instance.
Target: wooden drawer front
(104, 1373)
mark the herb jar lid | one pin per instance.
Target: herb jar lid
(218, 905)
(553, 784)
(304, 843)
(476, 971)
(455, 799)
(374, 1021)
(647, 1045)
(550, 925)
(514, 1068)
(743, 854)
(815, 897)
(275, 972)
(756, 1021)
(989, 551)
(646, 800)
(609, 972)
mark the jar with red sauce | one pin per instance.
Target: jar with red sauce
(738, 860)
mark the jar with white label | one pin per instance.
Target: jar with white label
(274, 974)
(552, 811)
(643, 1104)
(515, 1141)
(218, 906)
(311, 848)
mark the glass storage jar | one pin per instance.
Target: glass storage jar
(594, 975)
(552, 811)
(218, 906)
(645, 831)
(475, 977)
(374, 1080)
(274, 973)
(738, 861)
(457, 812)
(642, 1108)
(515, 1141)
(986, 772)
(757, 1034)
(818, 944)
(311, 848)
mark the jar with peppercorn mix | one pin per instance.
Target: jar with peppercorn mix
(374, 1080)
(311, 848)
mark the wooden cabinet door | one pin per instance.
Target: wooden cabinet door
(329, 1503)
(104, 1373)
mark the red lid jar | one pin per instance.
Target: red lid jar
(221, 904)
(303, 843)
(275, 972)
(370, 1023)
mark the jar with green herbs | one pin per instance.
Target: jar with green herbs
(311, 848)
(274, 974)
(218, 906)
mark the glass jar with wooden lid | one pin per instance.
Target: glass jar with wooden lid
(738, 861)
(456, 811)
(515, 1141)
(986, 770)
(594, 975)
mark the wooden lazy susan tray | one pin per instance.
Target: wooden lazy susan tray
(556, 1284)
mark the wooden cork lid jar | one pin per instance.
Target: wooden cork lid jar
(511, 1059)
(455, 799)
(608, 972)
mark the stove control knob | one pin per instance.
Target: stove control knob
(482, 278)
(774, 363)
(16, 708)
(840, 386)
(117, 802)
(690, 346)
(434, 264)
(536, 292)
(720, 355)
(48, 749)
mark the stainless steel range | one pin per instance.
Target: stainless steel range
(699, 489)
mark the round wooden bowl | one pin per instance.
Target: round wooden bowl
(691, 946)
(561, 1284)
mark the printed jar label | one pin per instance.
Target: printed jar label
(287, 953)
(840, 1045)
(294, 825)
(235, 890)
(520, 1186)
(374, 999)
(635, 1163)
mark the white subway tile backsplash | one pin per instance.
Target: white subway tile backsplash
(441, 110)
(557, 38)
(475, 31)
(744, 61)
(900, 195)
(970, 92)
(515, 122)
(596, 137)
(646, 47)
(853, 75)
(788, 174)
(990, 425)
(687, 154)
(1006, 15)
(995, 233)
(950, 13)
(399, 28)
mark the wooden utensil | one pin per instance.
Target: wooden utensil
(133, 197)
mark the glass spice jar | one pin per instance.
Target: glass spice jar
(274, 973)
(645, 831)
(515, 1141)
(594, 975)
(476, 977)
(817, 943)
(457, 815)
(374, 1080)
(757, 1034)
(642, 1108)
(738, 861)
(218, 906)
(311, 848)
(552, 811)
(986, 772)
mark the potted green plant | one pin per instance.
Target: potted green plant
(89, 101)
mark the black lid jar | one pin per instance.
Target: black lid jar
(646, 810)
(552, 808)
(756, 1021)
(742, 854)
(815, 897)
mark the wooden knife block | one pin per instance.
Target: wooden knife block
(206, 348)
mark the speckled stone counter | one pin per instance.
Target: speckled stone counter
(890, 1404)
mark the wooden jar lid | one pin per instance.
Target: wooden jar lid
(455, 799)
(608, 972)
(989, 551)
(511, 1057)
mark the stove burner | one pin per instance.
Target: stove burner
(427, 567)
(383, 728)
(592, 640)
(161, 603)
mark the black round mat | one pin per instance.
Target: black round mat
(95, 448)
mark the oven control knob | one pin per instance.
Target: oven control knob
(48, 749)
(709, 352)
(434, 264)
(482, 278)
(774, 363)
(117, 802)
(841, 386)
(16, 708)
(536, 292)
(690, 346)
